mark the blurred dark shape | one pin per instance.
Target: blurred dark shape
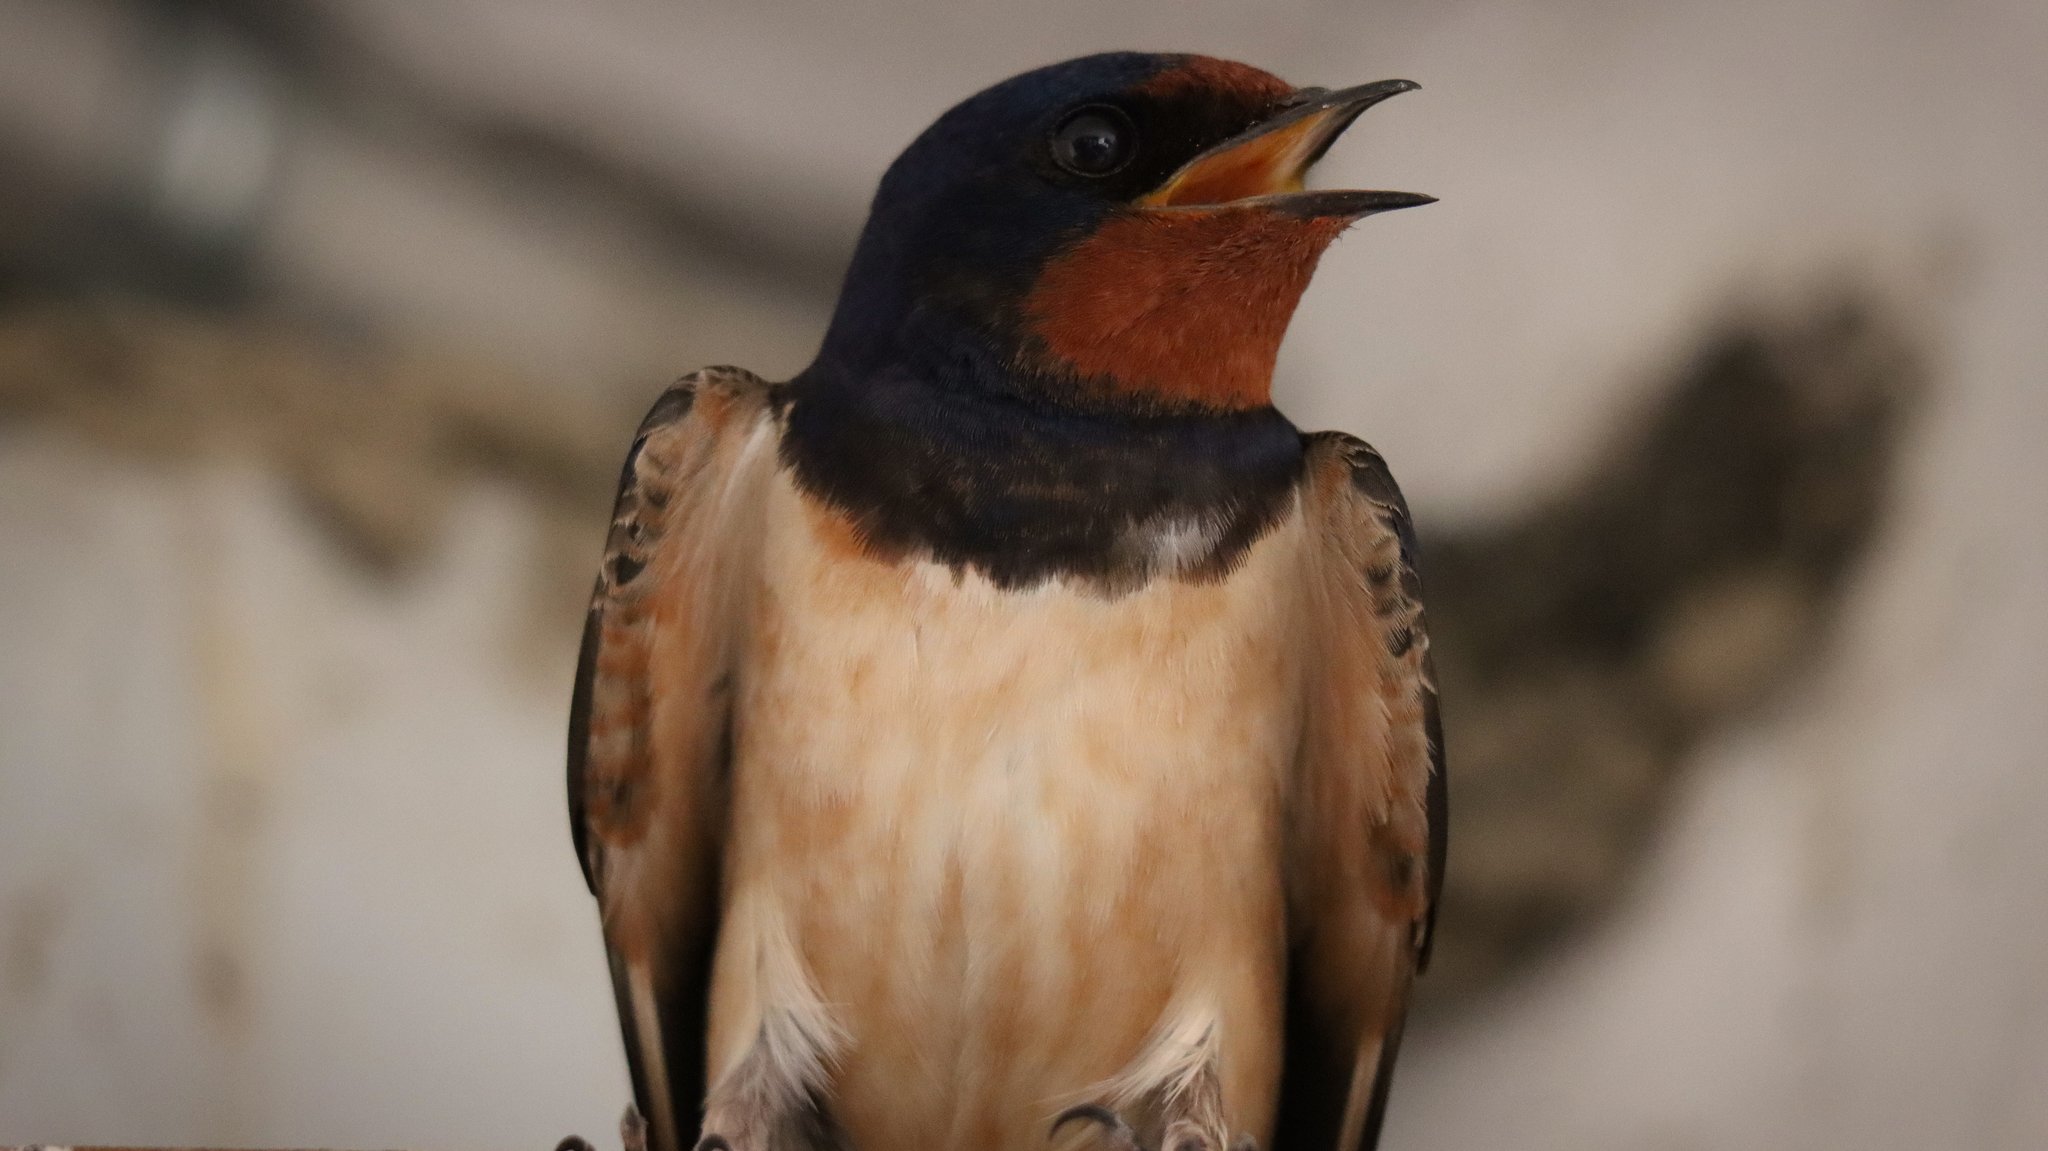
(162, 186)
(1586, 645)
(206, 117)
(373, 441)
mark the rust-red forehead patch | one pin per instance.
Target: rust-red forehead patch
(1209, 74)
(1184, 307)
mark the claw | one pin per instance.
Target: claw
(1120, 1134)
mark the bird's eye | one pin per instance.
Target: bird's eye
(1095, 141)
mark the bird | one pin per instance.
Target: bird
(1011, 731)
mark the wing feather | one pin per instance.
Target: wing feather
(1367, 826)
(649, 721)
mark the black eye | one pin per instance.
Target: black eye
(1094, 141)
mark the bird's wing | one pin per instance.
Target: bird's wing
(1366, 823)
(649, 725)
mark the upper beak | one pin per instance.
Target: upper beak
(1266, 162)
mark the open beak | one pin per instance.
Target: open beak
(1265, 163)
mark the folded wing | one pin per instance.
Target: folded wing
(1366, 832)
(650, 722)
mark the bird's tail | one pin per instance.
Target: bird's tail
(646, 1058)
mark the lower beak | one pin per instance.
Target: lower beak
(1265, 163)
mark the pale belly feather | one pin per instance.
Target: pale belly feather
(996, 852)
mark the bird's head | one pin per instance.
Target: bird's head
(1127, 231)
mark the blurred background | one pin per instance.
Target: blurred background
(1715, 380)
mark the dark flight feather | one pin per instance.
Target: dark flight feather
(1368, 859)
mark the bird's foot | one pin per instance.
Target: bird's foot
(774, 1102)
(743, 1128)
(1181, 1134)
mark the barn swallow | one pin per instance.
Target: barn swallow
(1012, 728)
